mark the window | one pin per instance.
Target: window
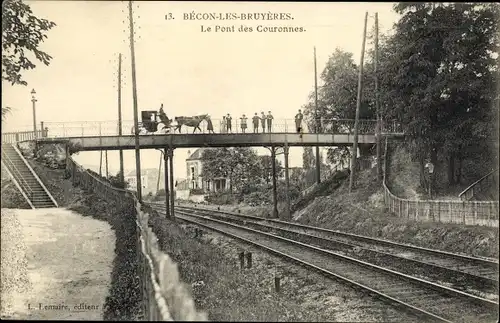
(192, 172)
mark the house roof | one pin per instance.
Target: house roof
(196, 155)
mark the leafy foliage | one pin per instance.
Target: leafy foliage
(239, 164)
(436, 77)
(116, 181)
(22, 33)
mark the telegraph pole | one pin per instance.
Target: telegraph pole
(134, 95)
(122, 175)
(377, 105)
(318, 161)
(354, 153)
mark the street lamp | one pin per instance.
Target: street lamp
(33, 100)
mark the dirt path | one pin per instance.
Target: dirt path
(56, 264)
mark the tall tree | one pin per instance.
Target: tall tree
(22, 34)
(440, 78)
(238, 164)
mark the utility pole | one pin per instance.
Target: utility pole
(122, 175)
(134, 96)
(354, 153)
(377, 106)
(318, 161)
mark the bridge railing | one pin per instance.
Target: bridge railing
(13, 137)
(164, 296)
(484, 183)
(110, 128)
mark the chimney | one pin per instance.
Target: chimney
(189, 153)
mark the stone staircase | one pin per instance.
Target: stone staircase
(26, 180)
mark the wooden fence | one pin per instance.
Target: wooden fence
(483, 213)
(164, 296)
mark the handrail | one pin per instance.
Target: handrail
(14, 168)
(18, 186)
(35, 175)
(476, 182)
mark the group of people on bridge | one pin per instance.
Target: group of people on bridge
(226, 124)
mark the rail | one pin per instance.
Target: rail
(478, 186)
(484, 213)
(16, 174)
(110, 128)
(164, 297)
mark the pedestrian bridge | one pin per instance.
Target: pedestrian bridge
(104, 135)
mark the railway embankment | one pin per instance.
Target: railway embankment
(210, 263)
(363, 212)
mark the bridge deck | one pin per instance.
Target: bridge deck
(214, 140)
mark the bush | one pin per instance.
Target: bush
(196, 191)
(221, 198)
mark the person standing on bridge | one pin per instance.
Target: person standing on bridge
(210, 126)
(269, 121)
(223, 125)
(243, 122)
(255, 120)
(228, 122)
(298, 121)
(263, 121)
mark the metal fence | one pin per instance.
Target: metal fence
(164, 296)
(483, 213)
(110, 128)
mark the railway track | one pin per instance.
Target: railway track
(424, 298)
(474, 275)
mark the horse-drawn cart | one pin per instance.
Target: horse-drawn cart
(149, 122)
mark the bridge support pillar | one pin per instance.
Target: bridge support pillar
(167, 195)
(171, 175)
(288, 214)
(275, 194)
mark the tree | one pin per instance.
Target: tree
(5, 111)
(439, 80)
(238, 164)
(116, 181)
(22, 33)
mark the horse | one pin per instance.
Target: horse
(166, 122)
(190, 122)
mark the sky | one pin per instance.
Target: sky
(189, 71)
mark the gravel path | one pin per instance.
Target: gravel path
(55, 264)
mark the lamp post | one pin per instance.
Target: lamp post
(33, 100)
